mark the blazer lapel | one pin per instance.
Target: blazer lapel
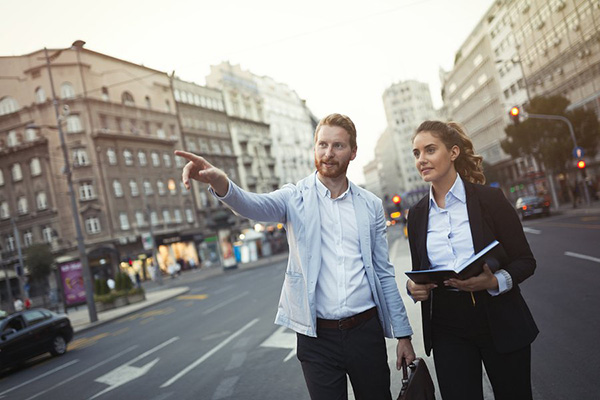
(475, 217)
(422, 222)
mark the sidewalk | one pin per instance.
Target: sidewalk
(157, 293)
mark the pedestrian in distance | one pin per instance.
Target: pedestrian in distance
(339, 294)
(483, 318)
(18, 304)
(27, 303)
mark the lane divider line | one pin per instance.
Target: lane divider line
(224, 303)
(41, 376)
(582, 256)
(207, 355)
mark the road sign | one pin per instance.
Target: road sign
(578, 152)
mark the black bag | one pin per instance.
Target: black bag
(416, 385)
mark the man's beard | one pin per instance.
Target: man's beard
(339, 170)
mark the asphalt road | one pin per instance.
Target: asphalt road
(564, 297)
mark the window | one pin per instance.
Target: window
(40, 95)
(117, 188)
(127, 99)
(12, 140)
(128, 156)
(41, 201)
(166, 216)
(168, 105)
(142, 158)
(1, 178)
(105, 93)
(182, 188)
(160, 132)
(67, 91)
(153, 218)
(30, 134)
(4, 213)
(189, 215)
(155, 159)
(160, 186)
(80, 158)
(124, 220)
(172, 186)
(215, 147)
(147, 187)
(27, 238)
(47, 234)
(73, 124)
(10, 243)
(180, 162)
(111, 154)
(177, 216)
(92, 225)
(16, 172)
(22, 206)
(140, 220)
(148, 102)
(133, 186)
(8, 105)
(86, 191)
(167, 160)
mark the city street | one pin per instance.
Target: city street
(218, 341)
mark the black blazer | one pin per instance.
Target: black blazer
(491, 217)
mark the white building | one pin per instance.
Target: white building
(291, 128)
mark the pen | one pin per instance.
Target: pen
(473, 299)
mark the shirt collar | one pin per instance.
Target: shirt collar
(457, 191)
(324, 192)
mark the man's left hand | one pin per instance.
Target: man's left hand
(404, 349)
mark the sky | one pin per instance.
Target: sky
(338, 55)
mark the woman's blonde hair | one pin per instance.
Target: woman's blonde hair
(467, 164)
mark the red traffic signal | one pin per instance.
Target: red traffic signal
(514, 114)
(396, 199)
(581, 164)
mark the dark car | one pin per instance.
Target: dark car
(29, 333)
(532, 205)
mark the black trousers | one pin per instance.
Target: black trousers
(359, 352)
(462, 341)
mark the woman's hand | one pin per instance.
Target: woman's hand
(484, 281)
(419, 292)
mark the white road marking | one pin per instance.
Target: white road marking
(582, 256)
(225, 388)
(223, 304)
(85, 371)
(125, 373)
(282, 339)
(531, 230)
(207, 355)
(237, 360)
(40, 376)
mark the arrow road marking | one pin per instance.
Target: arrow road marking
(207, 355)
(126, 373)
(85, 371)
(282, 339)
(582, 256)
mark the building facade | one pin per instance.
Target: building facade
(250, 134)
(120, 128)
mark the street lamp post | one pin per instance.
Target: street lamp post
(87, 279)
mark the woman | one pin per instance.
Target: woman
(483, 318)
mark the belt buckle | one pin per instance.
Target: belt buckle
(342, 323)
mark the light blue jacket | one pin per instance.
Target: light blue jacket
(297, 207)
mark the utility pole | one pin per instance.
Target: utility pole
(85, 269)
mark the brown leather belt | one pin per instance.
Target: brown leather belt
(347, 323)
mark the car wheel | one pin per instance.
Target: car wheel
(59, 346)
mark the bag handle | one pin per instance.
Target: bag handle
(405, 373)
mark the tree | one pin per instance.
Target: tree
(548, 141)
(39, 260)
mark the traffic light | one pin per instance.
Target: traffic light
(396, 200)
(581, 164)
(514, 114)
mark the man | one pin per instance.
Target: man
(338, 278)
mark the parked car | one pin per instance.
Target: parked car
(30, 333)
(532, 205)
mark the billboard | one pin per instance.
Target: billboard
(71, 277)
